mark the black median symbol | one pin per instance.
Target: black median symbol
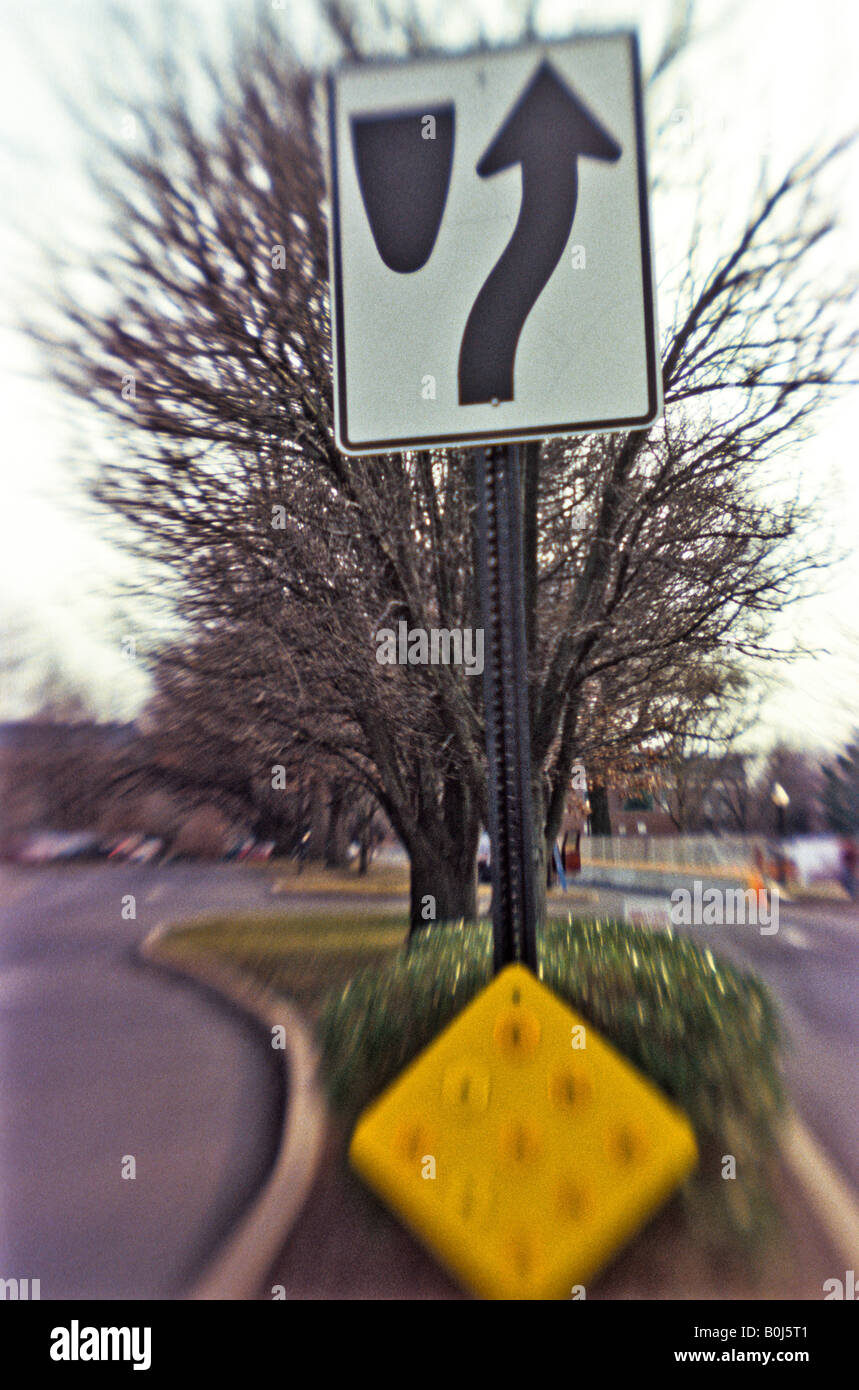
(404, 162)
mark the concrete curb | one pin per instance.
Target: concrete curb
(240, 1265)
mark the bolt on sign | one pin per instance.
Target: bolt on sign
(490, 247)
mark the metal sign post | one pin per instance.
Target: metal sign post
(505, 684)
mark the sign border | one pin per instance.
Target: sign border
(655, 404)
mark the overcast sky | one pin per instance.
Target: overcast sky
(771, 76)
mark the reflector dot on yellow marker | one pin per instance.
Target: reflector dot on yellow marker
(573, 1202)
(520, 1141)
(465, 1086)
(569, 1088)
(522, 1254)
(627, 1144)
(473, 1198)
(517, 1034)
(412, 1139)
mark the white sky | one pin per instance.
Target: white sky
(773, 76)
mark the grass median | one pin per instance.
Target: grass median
(381, 880)
(303, 956)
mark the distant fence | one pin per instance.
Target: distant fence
(669, 851)
(812, 857)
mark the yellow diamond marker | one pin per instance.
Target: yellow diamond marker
(522, 1161)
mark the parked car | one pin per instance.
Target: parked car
(49, 846)
(147, 850)
(260, 851)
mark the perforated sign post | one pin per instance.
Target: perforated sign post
(491, 283)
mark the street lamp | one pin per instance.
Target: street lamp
(781, 801)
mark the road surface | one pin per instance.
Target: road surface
(103, 1058)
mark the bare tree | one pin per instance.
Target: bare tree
(701, 774)
(840, 789)
(800, 776)
(653, 563)
(209, 726)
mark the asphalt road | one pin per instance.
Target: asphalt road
(104, 1057)
(812, 967)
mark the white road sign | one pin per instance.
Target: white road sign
(490, 247)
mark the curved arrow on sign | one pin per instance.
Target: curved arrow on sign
(546, 132)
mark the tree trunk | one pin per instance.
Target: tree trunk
(337, 832)
(441, 841)
(278, 828)
(600, 819)
(315, 807)
(443, 887)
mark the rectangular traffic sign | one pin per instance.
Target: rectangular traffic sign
(490, 248)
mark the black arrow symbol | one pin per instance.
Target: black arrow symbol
(547, 131)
